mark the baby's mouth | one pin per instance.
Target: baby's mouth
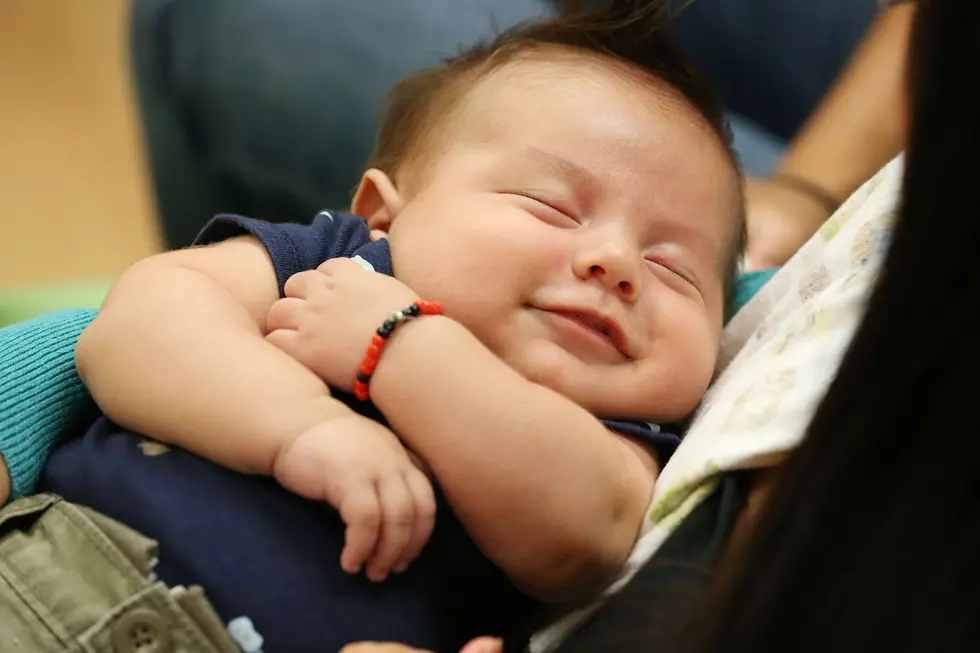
(600, 327)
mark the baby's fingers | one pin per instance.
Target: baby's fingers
(397, 522)
(425, 517)
(360, 511)
(285, 313)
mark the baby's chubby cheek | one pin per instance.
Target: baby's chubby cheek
(589, 386)
(683, 380)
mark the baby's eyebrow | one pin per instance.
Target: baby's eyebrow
(560, 166)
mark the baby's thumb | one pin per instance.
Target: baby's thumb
(484, 645)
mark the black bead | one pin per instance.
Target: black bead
(412, 310)
(390, 324)
(384, 332)
(363, 378)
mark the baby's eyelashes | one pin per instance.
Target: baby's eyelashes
(548, 209)
(672, 268)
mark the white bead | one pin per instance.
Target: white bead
(243, 632)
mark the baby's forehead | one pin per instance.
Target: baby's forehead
(539, 106)
(543, 83)
(541, 72)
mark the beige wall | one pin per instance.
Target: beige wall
(74, 196)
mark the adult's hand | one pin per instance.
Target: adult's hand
(780, 218)
(478, 645)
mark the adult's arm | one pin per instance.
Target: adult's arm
(41, 395)
(857, 128)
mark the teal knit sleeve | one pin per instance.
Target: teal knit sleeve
(40, 392)
(747, 285)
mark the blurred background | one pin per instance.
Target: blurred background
(126, 124)
(75, 195)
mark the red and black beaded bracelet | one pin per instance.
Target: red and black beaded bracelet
(378, 340)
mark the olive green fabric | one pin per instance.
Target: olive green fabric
(72, 580)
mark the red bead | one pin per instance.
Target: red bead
(429, 307)
(377, 341)
(367, 368)
(373, 352)
(361, 391)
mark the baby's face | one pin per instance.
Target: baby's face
(579, 226)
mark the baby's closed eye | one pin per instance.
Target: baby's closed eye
(548, 209)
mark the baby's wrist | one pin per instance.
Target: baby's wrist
(379, 341)
(304, 417)
(414, 341)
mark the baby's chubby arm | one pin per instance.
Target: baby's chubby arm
(545, 490)
(178, 353)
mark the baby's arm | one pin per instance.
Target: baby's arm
(178, 353)
(547, 492)
(542, 486)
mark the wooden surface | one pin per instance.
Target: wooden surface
(74, 193)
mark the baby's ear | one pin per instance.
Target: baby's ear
(377, 200)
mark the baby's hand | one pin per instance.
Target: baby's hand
(361, 468)
(329, 315)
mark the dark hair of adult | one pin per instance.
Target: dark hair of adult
(871, 541)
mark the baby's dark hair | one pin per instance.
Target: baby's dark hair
(633, 34)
